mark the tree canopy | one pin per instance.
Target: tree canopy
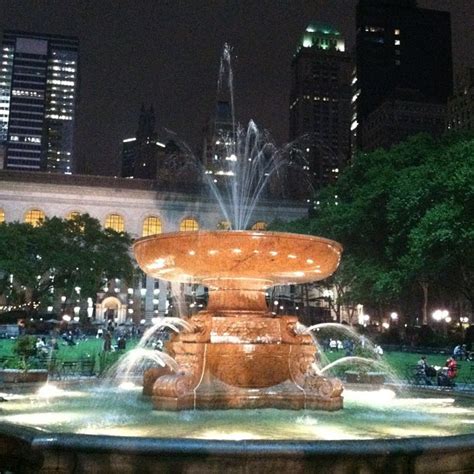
(38, 264)
(405, 219)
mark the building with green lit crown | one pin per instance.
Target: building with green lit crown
(320, 105)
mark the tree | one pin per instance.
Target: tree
(404, 217)
(38, 264)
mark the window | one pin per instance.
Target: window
(259, 225)
(151, 226)
(115, 222)
(34, 217)
(73, 215)
(2, 215)
(223, 225)
(188, 224)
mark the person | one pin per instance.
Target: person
(424, 371)
(378, 350)
(452, 366)
(448, 373)
(121, 343)
(458, 352)
(41, 348)
(107, 341)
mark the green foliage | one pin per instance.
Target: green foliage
(25, 349)
(63, 254)
(405, 218)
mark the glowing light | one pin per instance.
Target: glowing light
(157, 264)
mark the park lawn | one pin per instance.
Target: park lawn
(398, 361)
(83, 349)
(92, 347)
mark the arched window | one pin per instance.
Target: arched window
(223, 225)
(73, 215)
(188, 224)
(151, 226)
(2, 215)
(259, 225)
(115, 222)
(34, 217)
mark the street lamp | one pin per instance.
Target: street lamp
(440, 314)
(394, 316)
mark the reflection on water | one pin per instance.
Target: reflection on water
(366, 415)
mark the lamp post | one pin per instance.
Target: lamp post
(440, 315)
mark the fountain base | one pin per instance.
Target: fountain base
(242, 360)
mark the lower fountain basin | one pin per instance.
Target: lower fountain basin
(104, 429)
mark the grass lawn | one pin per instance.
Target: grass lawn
(92, 348)
(398, 361)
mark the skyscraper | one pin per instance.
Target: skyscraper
(140, 154)
(219, 140)
(400, 49)
(38, 92)
(461, 103)
(320, 105)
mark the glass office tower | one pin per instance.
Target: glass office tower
(38, 92)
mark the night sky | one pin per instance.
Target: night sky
(166, 53)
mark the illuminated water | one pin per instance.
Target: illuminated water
(124, 412)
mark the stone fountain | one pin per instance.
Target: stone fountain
(239, 355)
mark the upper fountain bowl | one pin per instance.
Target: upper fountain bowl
(237, 259)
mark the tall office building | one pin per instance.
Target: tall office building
(320, 106)
(141, 154)
(38, 92)
(219, 141)
(400, 49)
(461, 103)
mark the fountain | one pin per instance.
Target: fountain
(235, 354)
(239, 355)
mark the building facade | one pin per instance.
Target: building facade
(320, 106)
(141, 154)
(398, 118)
(399, 47)
(38, 93)
(138, 207)
(461, 103)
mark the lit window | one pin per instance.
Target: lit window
(397, 42)
(223, 225)
(115, 222)
(2, 216)
(397, 32)
(260, 225)
(34, 217)
(73, 215)
(151, 226)
(188, 224)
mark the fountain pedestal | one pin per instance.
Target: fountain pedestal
(239, 354)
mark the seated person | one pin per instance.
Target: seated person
(458, 352)
(424, 372)
(448, 373)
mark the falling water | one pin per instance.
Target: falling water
(145, 355)
(249, 159)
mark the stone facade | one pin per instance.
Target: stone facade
(134, 200)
